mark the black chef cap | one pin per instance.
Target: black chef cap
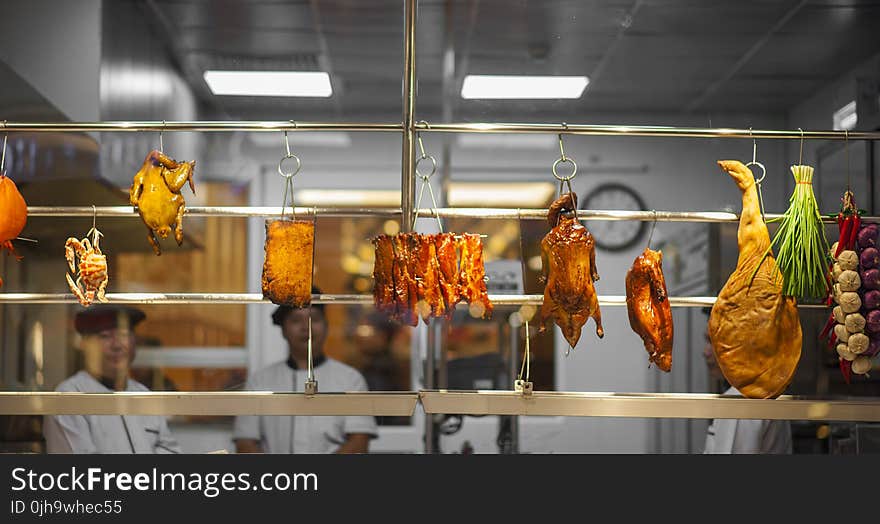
(100, 317)
(282, 311)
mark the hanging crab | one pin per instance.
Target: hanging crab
(92, 280)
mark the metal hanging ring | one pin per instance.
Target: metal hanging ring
(567, 160)
(292, 173)
(763, 171)
(433, 167)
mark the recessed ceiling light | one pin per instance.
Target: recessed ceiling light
(523, 87)
(269, 83)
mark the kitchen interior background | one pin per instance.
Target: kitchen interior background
(769, 65)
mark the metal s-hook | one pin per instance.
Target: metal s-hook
(653, 226)
(564, 160)
(426, 180)
(3, 160)
(161, 143)
(801, 154)
(760, 179)
(311, 385)
(846, 152)
(288, 183)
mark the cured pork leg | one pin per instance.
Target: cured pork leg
(568, 257)
(755, 331)
(287, 268)
(472, 276)
(648, 306)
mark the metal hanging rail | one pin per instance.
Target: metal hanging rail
(385, 212)
(197, 125)
(658, 131)
(208, 403)
(215, 211)
(257, 298)
(648, 405)
(482, 127)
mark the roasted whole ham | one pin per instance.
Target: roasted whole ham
(419, 276)
(287, 268)
(568, 257)
(648, 306)
(755, 331)
(472, 276)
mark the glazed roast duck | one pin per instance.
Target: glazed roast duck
(647, 304)
(755, 331)
(568, 257)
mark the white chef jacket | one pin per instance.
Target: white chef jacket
(106, 433)
(304, 434)
(727, 436)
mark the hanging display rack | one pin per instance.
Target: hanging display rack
(384, 212)
(338, 299)
(477, 403)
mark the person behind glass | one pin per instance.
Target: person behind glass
(108, 346)
(744, 436)
(304, 434)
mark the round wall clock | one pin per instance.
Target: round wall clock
(612, 235)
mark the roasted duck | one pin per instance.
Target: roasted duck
(755, 331)
(383, 289)
(156, 194)
(13, 214)
(568, 257)
(287, 268)
(447, 258)
(472, 276)
(648, 306)
(92, 279)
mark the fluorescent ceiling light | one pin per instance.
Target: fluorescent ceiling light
(461, 194)
(303, 138)
(348, 198)
(522, 87)
(487, 194)
(269, 83)
(846, 117)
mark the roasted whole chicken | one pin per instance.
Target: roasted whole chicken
(287, 267)
(755, 331)
(647, 303)
(156, 194)
(419, 276)
(568, 257)
(92, 279)
(13, 215)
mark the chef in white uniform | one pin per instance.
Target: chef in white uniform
(304, 434)
(747, 436)
(108, 345)
(727, 436)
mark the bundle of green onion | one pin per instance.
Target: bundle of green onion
(801, 247)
